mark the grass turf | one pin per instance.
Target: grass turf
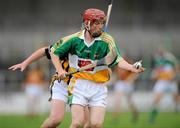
(164, 120)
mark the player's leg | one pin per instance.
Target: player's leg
(174, 90)
(58, 102)
(86, 118)
(97, 115)
(178, 91)
(85, 93)
(178, 97)
(119, 90)
(78, 102)
(38, 93)
(36, 102)
(129, 89)
(32, 96)
(77, 112)
(176, 101)
(117, 104)
(30, 105)
(132, 108)
(154, 111)
(56, 115)
(159, 88)
(97, 103)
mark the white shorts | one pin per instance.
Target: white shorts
(33, 90)
(124, 87)
(163, 86)
(89, 93)
(59, 91)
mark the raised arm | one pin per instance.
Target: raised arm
(33, 57)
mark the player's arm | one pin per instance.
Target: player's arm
(33, 57)
(57, 52)
(58, 66)
(121, 62)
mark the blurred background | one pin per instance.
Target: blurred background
(140, 28)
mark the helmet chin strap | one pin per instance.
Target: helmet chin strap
(88, 28)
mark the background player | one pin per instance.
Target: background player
(124, 86)
(164, 73)
(33, 85)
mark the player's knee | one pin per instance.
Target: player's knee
(87, 125)
(55, 120)
(96, 125)
(52, 123)
(77, 124)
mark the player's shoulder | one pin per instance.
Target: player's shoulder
(107, 37)
(72, 36)
(66, 39)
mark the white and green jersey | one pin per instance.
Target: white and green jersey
(81, 53)
(166, 65)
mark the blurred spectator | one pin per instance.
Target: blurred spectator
(33, 85)
(124, 86)
(165, 71)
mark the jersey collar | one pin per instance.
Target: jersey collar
(88, 44)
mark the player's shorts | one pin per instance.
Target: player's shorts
(89, 93)
(163, 86)
(125, 87)
(33, 90)
(59, 91)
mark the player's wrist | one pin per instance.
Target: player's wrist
(25, 63)
(132, 68)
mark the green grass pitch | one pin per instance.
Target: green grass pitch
(164, 120)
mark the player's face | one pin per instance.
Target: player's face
(96, 28)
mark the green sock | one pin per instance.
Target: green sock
(153, 115)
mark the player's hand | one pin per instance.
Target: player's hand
(61, 74)
(139, 70)
(20, 66)
(137, 67)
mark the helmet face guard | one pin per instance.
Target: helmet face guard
(91, 16)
